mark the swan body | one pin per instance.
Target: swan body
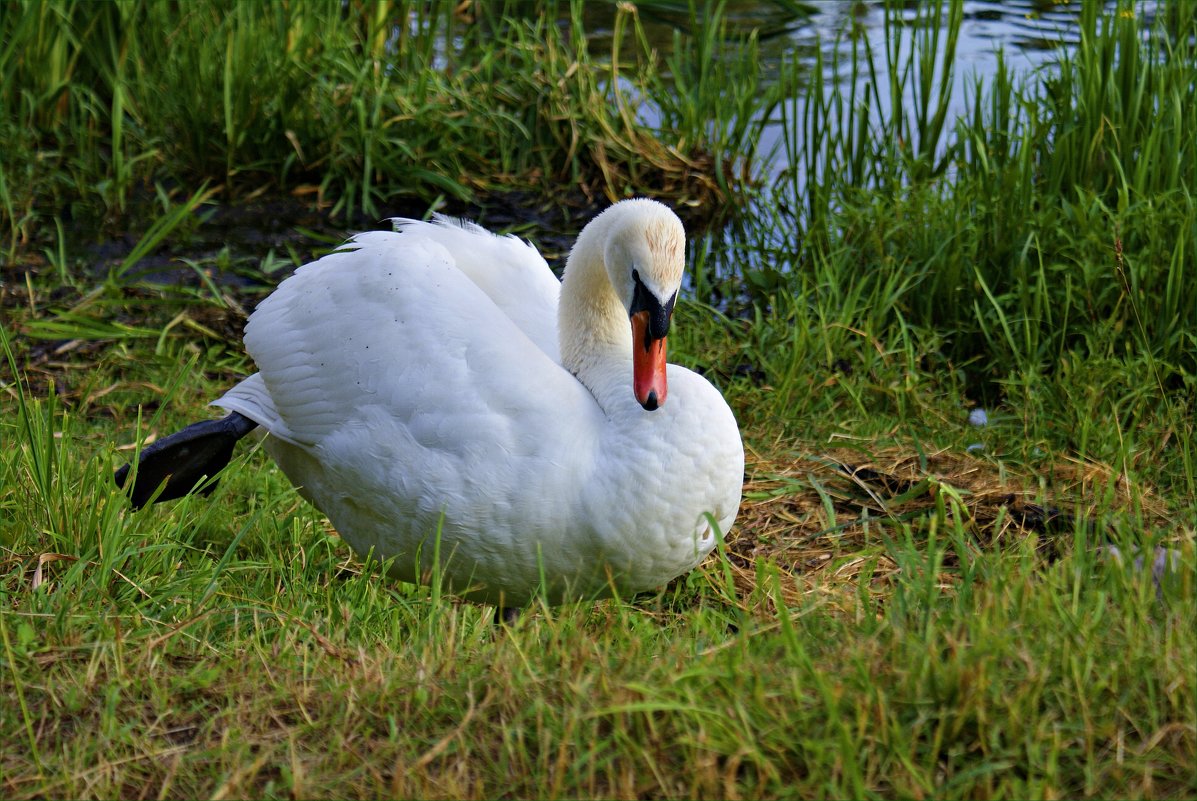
(447, 403)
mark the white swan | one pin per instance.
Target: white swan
(436, 391)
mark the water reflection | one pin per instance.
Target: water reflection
(1029, 31)
(1028, 34)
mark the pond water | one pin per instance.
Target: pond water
(1030, 34)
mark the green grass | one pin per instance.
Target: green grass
(232, 645)
(893, 616)
(1058, 215)
(356, 107)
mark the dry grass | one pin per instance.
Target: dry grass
(804, 512)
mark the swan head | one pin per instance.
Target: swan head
(645, 255)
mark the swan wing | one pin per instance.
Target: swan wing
(391, 322)
(510, 271)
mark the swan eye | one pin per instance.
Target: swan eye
(659, 314)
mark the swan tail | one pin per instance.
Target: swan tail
(252, 398)
(180, 462)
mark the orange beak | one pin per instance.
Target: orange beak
(648, 364)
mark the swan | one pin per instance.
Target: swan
(451, 406)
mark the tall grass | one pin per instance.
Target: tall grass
(1052, 225)
(355, 106)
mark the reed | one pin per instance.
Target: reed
(356, 107)
(1058, 210)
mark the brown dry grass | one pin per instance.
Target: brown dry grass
(801, 511)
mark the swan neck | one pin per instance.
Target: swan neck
(593, 329)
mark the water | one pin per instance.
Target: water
(1030, 32)
(1030, 35)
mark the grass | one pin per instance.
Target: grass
(1062, 205)
(909, 605)
(896, 633)
(355, 107)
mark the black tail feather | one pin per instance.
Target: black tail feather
(507, 615)
(184, 458)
